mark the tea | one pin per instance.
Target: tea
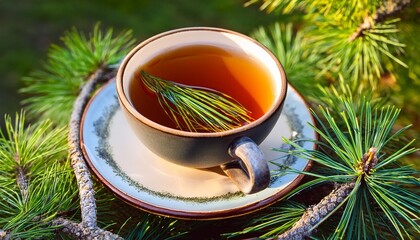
(226, 70)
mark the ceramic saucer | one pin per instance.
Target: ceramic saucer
(139, 177)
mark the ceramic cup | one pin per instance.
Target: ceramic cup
(235, 151)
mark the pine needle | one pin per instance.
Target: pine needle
(53, 88)
(384, 200)
(197, 109)
(36, 180)
(288, 43)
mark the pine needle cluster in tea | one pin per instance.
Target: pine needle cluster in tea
(197, 109)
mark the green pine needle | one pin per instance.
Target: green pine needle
(332, 97)
(284, 6)
(274, 221)
(355, 148)
(361, 60)
(339, 9)
(197, 109)
(30, 145)
(54, 87)
(327, 34)
(291, 48)
(153, 227)
(37, 182)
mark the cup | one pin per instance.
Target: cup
(236, 151)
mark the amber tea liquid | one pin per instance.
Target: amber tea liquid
(222, 69)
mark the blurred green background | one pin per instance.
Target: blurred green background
(28, 28)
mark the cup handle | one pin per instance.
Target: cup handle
(250, 172)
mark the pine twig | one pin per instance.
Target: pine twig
(197, 109)
(88, 227)
(86, 192)
(389, 8)
(78, 231)
(73, 229)
(4, 235)
(21, 178)
(22, 181)
(315, 214)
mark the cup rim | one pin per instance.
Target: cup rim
(122, 95)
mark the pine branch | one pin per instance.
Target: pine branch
(81, 171)
(67, 80)
(290, 46)
(333, 95)
(196, 109)
(53, 88)
(88, 227)
(72, 229)
(4, 235)
(329, 39)
(36, 185)
(79, 230)
(287, 6)
(355, 150)
(389, 8)
(22, 181)
(37, 220)
(272, 221)
(314, 215)
(23, 155)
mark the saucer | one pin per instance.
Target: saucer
(136, 175)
